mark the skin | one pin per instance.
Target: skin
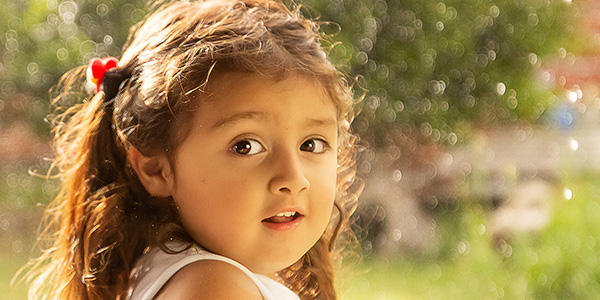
(257, 147)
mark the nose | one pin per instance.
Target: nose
(288, 176)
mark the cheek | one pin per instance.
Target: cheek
(204, 208)
(326, 184)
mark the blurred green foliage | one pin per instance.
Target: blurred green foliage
(441, 67)
(42, 39)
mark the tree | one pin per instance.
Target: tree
(439, 67)
(435, 66)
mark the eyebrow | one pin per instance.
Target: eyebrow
(257, 115)
(321, 122)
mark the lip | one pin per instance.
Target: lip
(296, 209)
(291, 225)
(285, 226)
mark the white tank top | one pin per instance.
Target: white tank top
(156, 267)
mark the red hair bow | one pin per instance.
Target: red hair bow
(98, 67)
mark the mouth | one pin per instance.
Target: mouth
(282, 221)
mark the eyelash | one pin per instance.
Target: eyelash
(233, 148)
(326, 147)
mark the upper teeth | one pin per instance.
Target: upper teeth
(286, 214)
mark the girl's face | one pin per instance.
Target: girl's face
(256, 178)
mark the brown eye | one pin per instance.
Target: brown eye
(247, 147)
(314, 145)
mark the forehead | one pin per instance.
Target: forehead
(293, 96)
(228, 84)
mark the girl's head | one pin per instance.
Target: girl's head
(258, 148)
(222, 119)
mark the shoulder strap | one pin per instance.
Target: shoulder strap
(156, 267)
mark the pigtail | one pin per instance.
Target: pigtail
(90, 215)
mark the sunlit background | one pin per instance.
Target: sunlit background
(479, 123)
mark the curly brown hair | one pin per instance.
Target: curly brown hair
(102, 219)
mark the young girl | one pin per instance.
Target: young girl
(215, 161)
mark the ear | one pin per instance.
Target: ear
(153, 171)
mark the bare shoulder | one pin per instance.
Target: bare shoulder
(209, 279)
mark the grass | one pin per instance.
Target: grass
(9, 264)
(559, 262)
